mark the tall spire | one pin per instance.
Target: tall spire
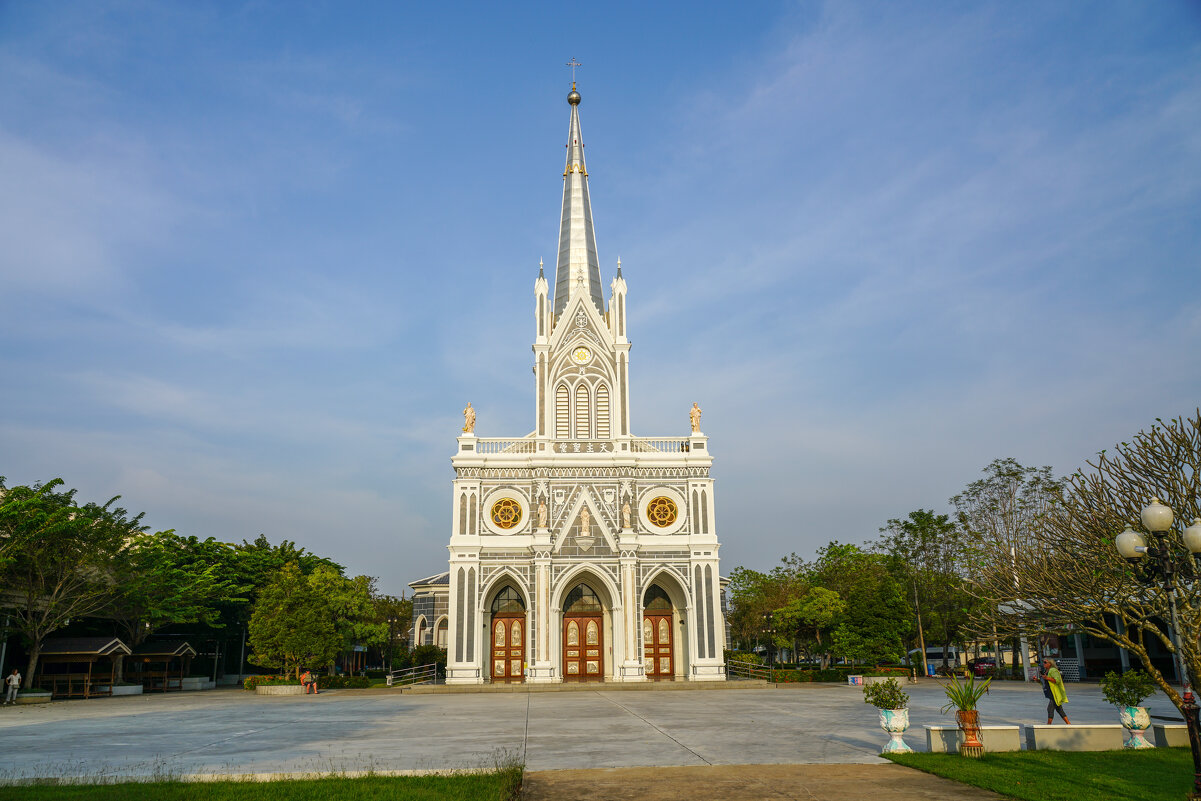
(578, 269)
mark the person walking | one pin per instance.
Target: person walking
(13, 684)
(1054, 691)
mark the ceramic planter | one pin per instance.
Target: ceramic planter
(1136, 720)
(895, 722)
(969, 724)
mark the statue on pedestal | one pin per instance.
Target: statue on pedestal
(469, 419)
(694, 415)
(541, 513)
(585, 521)
(625, 515)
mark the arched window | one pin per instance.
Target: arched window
(562, 413)
(582, 600)
(508, 600)
(463, 513)
(704, 513)
(582, 423)
(602, 412)
(656, 600)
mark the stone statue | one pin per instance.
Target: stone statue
(585, 521)
(694, 415)
(625, 515)
(469, 419)
(541, 513)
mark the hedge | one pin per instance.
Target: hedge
(343, 682)
(838, 675)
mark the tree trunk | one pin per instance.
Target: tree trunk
(119, 668)
(35, 651)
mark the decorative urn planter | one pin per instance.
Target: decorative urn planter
(895, 722)
(1136, 720)
(969, 724)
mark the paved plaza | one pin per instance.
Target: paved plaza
(236, 732)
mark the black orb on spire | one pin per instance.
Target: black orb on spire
(574, 97)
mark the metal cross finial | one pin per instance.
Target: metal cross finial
(573, 64)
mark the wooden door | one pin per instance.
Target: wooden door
(508, 649)
(657, 652)
(583, 649)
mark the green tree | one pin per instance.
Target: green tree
(876, 621)
(61, 564)
(291, 624)
(162, 579)
(808, 619)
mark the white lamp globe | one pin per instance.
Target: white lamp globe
(1129, 541)
(1192, 536)
(1157, 517)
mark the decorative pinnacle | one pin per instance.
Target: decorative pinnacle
(619, 266)
(574, 97)
(540, 275)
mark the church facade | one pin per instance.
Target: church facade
(579, 552)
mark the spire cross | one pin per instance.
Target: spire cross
(573, 64)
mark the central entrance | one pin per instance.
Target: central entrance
(583, 636)
(657, 652)
(508, 637)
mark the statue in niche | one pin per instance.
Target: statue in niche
(542, 513)
(625, 515)
(694, 415)
(469, 419)
(585, 521)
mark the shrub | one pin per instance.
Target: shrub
(343, 682)
(742, 656)
(964, 694)
(885, 695)
(1127, 689)
(250, 682)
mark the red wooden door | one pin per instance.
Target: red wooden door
(508, 649)
(657, 653)
(583, 649)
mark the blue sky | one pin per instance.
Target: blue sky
(254, 257)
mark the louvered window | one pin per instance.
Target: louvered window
(562, 413)
(581, 412)
(602, 412)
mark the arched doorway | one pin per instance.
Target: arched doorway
(583, 636)
(658, 635)
(508, 637)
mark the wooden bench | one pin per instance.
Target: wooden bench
(1077, 737)
(947, 739)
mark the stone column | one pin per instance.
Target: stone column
(542, 670)
(631, 668)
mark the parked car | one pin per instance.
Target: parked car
(982, 665)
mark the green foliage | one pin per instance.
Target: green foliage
(343, 682)
(250, 682)
(885, 695)
(964, 694)
(292, 624)
(428, 655)
(1127, 689)
(745, 657)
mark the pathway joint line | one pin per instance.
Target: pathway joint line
(656, 728)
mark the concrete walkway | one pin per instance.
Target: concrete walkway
(233, 731)
(748, 783)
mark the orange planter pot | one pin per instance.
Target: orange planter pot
(969, 724)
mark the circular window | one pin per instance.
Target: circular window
(506, 513)
(662, 512)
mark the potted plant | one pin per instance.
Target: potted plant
(964, 695)
(1126, 691)
(893, 704)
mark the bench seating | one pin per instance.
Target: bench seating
(1077, 737)
(947, 739)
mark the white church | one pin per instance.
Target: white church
(579, 552)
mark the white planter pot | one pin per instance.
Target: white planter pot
(1136, 720)
(895, 722)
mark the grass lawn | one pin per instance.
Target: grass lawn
(501, 786)
(1151, 775)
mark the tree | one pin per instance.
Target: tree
(876, 620)
(162, 578)
(1063, 571)
(809, 617)
(397, 615)
(61, 564)
(291, 624)
(928, 549)
(999, 514)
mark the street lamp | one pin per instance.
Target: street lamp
(770, 631)
(1165, 564)
(391, 637)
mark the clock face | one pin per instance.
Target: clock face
(581, 355)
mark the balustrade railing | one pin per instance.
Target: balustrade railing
(494, 445)
(660, 445)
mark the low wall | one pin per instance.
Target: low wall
(278, 689)
(33, 697)
(1170, 735)
(948, 739)
(120, 689)
(1077, 737)
(197, 683)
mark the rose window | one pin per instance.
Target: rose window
(662, 512)
(506, 513)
